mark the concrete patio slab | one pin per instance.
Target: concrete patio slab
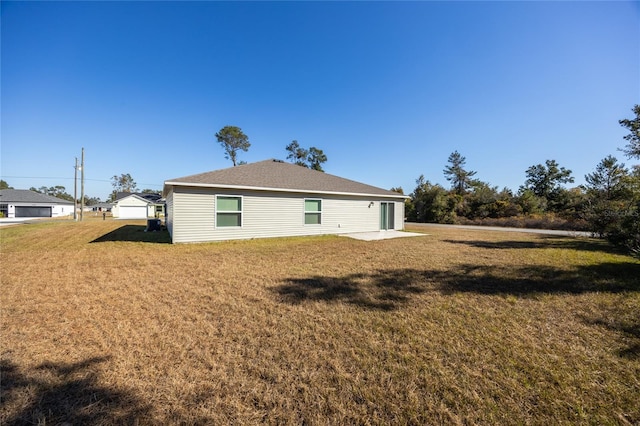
(382, 235)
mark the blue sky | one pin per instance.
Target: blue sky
(387, 89)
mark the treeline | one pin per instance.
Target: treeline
(60, 191)
(608, 204)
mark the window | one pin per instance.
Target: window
(228, 211)
(312, 212)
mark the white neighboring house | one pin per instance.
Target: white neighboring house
(24, 203)
(275, 199)
(133, 206)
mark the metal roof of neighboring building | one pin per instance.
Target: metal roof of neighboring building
(277, 175)
(27, 196)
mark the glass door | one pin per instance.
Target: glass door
(387, 216)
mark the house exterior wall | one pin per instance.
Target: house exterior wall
(57, 210)
(191, 214)
(168, 218)
(61, 210)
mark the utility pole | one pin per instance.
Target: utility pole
(82, 187)
(75, 191)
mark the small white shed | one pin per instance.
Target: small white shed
(132, 207)
(275, 199)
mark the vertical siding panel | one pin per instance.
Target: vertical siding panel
(399, 219)
(193, 215)
(168, 221)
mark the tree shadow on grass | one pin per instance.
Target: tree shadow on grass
(531, 280)
(383, 290)
(392, 289)
(547, 241)
(625, 322)
(61, 393)
(135, 233)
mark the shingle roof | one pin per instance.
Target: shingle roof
(134, 195)
(26, 196)
(153, 197)
(280, 176)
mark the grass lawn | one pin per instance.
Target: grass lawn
(102, 323)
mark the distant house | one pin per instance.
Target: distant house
(275, 199)
(24, 203)
(101, 207)
(137, 205)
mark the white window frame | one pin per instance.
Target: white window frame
(305, 212)
(241, 211)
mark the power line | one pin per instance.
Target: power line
(35, 177)
(67, 178)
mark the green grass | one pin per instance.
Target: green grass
(102, 323)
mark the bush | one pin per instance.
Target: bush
(627, 232)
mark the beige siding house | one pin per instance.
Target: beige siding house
(275, 199)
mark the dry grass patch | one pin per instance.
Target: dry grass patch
(103, 323)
